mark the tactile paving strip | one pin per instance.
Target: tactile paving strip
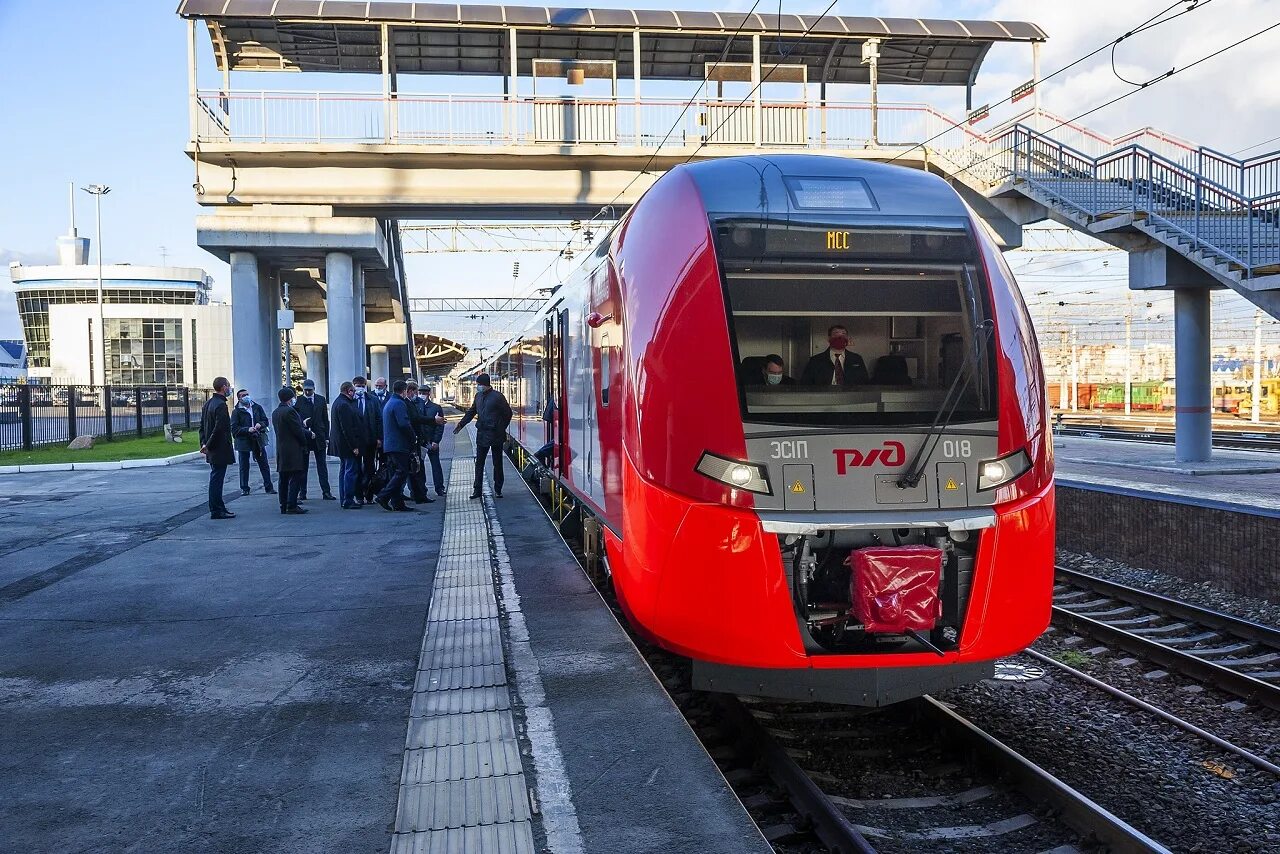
(462, 787)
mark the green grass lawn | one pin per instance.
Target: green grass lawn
(148, 447)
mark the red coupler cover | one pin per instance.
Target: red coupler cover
(895, 588)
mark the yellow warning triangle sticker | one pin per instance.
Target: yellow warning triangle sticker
(951, 483)
(797, 487)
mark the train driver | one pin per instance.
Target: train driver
(774, 371)
(837, 365)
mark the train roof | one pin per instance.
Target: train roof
(800, 185)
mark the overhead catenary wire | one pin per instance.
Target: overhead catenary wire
(1167, 75)
(1148, 24)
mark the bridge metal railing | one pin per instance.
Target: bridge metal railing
(287, 117)
(1228, 207)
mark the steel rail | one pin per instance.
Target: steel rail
(1232, 681)
(1075, 809)
(829, 823)
(1230, 439)
(1169, 717)
(1237, 626)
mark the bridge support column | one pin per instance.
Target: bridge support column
(268, 305)
(380, 363)
(362, 344)
(1193, 421)
(318, 367)
(251, 353)
(345, 360)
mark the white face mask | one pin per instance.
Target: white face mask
(773, 379)
(360, 390)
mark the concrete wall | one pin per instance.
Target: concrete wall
(1231, 549)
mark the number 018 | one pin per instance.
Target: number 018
(957, 448)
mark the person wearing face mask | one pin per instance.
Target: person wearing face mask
(837, 365)
(492, 415)
(399, 441)
(370, 410)
(249, 427)
(380, 390)
(774, 371)
(292, 443)
(215, 445)
(348, 438)
(435, 414)
(314, 410)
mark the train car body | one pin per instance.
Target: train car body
(745, 522)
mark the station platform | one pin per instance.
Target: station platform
(1219, 524)
(438, 681)
(522, 660)
(1233, 480)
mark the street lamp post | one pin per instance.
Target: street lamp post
(98, 191)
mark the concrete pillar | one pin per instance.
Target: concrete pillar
(361, 339)
(318, 367)
(380, 363)
(250, 358)
(345, 360)
(1193, 419)
(268, 305)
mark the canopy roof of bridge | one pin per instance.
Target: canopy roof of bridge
(430, 38)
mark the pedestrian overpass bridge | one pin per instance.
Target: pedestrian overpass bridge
(310, 183)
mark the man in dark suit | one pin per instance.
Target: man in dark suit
(380, 390)
(349, 438)
(366, 404)
(493, 416)
(292, 455)
(215, 444)
(837, 365)
(435, 413)
(422, 432)
(314, 411)
(249, 427)
(398, 442)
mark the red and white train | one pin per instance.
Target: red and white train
(860, 533)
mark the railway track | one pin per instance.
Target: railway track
(1240, 440)
(960, 788)
(1218, 649)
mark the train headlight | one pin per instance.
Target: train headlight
(735, 473)
(998, 472)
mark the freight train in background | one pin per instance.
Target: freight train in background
(797, 536)
(1232, 398)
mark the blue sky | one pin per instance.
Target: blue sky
(95, 91)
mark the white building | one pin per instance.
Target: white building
(160, 327)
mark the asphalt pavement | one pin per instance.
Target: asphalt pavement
(173, 683)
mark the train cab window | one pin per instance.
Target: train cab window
(849, 338)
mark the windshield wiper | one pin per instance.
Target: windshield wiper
(942, 418)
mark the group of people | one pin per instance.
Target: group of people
(379, 434)
(837, 365)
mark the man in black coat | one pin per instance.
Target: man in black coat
(249, 427)
(314, 411)
(215, 444)
(422, 431)
(493, 416)
(348, 440)
(435, 414)
(292, 455)
(370, 410)
(837, 365)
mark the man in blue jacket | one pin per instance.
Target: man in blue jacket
(398, 442)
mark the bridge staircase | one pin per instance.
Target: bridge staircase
(1220, 213)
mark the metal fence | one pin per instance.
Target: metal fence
(36, 415)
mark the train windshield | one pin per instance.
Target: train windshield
(857, 326)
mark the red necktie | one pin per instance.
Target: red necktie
(839, 370)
